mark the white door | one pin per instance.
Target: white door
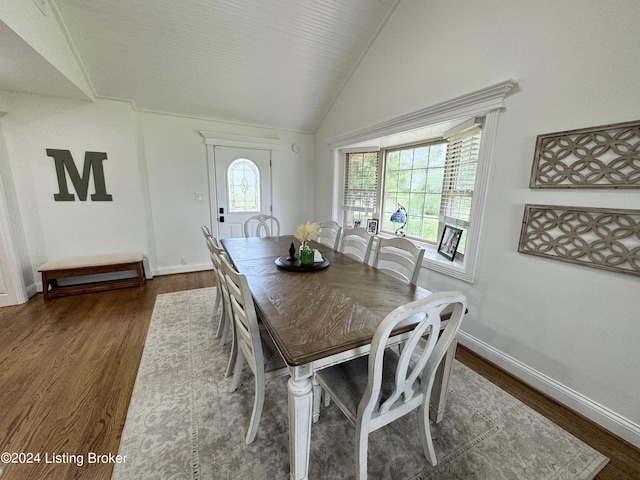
(243, 187)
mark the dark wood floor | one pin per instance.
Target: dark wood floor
(68, 366)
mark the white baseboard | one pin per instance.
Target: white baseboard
(601, 415)
(32, 290)
(183, 269)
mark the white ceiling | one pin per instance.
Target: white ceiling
(23, 69)
(275, 63)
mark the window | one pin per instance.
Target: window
(459, 205)
(360, 187)
(243, 179)
(432, 183)
(413, 181)
(460, 179)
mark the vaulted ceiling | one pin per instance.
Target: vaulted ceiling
(275, 63)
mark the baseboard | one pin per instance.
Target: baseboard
(615, 423)
(33, 289)
(183, 269)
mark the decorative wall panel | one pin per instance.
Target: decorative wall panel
(594, 237)
(598, 157)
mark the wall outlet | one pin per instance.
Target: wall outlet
(183, 260)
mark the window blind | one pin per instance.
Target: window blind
(361, 182)
(460, 176)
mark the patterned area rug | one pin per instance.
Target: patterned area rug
(183, 424)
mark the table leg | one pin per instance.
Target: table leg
(300, 413)
(441, 384)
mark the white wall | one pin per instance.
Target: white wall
(176, 160)
(570, 330)
(57, 229)
(155, 164)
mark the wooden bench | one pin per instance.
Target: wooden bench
(91, 265)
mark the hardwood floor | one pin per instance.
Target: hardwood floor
(68, 366)
(67, 370)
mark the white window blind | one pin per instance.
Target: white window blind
(460, 176)
(361, 182)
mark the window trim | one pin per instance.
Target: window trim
(487, 103)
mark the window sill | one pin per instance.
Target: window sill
(434, 261)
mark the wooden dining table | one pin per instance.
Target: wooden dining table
(321, 318)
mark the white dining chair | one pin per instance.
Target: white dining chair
(229, 327)
(212, 244)
(399, 257)
(254, 344)
(329, 234)
(226, 329)
(261, 225)
(206, 231)
(356, 243)
(377, 389)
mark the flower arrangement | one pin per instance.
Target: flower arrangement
(304, 233)
(307, 231)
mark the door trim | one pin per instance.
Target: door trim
(240, 141)
(16, 291)
(216, 139)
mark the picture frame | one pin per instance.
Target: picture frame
(372, 226)
(449, 242)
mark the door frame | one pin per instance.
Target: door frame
(12, 276)
(214, 139)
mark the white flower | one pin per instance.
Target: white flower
(307, 231)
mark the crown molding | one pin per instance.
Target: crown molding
(475, 103)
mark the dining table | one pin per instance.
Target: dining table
(321, 316)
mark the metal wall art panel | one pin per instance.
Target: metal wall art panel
(594, 237)
(599, 157)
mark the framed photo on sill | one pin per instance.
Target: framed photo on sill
(372, 226)
(449, 242)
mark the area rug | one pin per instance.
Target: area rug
(183, 424)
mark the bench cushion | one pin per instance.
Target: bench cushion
(91, 261)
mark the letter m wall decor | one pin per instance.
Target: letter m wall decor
(92, 163)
